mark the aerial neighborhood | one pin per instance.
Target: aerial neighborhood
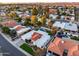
(41, 29)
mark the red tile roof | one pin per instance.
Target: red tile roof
(55, 47)
(52, 11)
(36, 36)
(76, 53)
(9, 23)
(18, 27)
(58, 46)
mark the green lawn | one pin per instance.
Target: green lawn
(27, 48)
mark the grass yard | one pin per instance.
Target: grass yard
(27, 48)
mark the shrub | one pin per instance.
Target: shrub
(75, 38)
(27, 22)
(49, 32)
(18, 19)
(6, 30)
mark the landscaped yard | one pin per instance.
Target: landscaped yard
(49, 32)
(75, 38)
(27, 48)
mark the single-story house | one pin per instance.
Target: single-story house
(27, 36)
(53, 16)
(41, 41)
(63, 47)
(59, 24)
(71, 26)
(66, 25)
(52, 11)
(21, 29)
(24, 16)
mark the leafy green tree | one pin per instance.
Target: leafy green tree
(13, 33)
(75, 38)
(18, 19)
(6, 30)
(27, 22)
(39, 23)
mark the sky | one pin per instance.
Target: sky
(33, 1)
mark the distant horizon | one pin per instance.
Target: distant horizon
(76, 4)
(35, 2)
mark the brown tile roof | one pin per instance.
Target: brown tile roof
(58, 46)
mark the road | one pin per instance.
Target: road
(8, 49)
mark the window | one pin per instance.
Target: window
(65, 52)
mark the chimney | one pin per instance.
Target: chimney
(62, 42)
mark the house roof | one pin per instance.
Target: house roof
(45, 38)
(58, 46)
(71, 26)
(18, 27)
(21, 31)
(36, 36)
(27, 35)
(67, 4)
(52, 11)
(40, 42)
(59, 24)
(67, 26)
(54, 47)
(11, 23)
(76, 53)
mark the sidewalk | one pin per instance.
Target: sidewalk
(15, 43)
(18, 42)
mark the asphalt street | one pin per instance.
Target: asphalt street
(8, 49)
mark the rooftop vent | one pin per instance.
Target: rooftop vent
(62, 41)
